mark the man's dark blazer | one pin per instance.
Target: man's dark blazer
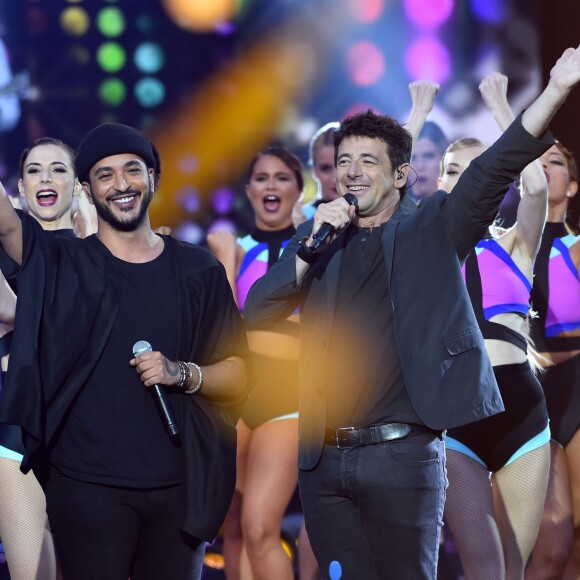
(446, 369)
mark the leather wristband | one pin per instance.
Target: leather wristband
(306, 253)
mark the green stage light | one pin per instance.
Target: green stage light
(149, 92)
(111, 22)
(112, 92)
(111, 56)
(149, 57)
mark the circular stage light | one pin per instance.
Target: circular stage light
(366, 11)
(149, 92)
(112, 92)
(365, 63)
(149, 57)
(428, 14)
(111, 57)
(428, 59)
(201, 15)
(111, 22)
(74, 21)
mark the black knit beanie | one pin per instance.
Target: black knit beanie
(111, 139)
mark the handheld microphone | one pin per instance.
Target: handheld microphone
(142, 347)
(326, 229)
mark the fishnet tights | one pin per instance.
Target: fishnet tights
(24, 525)
(495, 521)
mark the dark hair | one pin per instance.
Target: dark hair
(397, 139)
(47, 141)
(285, 156)
(573, 209)
(434, 133)
(323, 137)
(157, 168)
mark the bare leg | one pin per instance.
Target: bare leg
(271, 476)
(554, 542)
(519, 492)
(233, 539)
(469, 512)
(572, 452)
(24, 525)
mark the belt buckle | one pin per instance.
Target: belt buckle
(342, 430)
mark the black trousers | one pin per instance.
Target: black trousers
(375, 512)
(115, 533)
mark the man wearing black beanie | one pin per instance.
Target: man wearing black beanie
(136, 452)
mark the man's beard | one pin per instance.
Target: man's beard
(130, 225)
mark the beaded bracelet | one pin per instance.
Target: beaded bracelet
(197, 387)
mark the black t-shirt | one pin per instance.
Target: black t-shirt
(365, 380)
(113, 433)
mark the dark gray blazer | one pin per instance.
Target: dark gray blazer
(446, 369)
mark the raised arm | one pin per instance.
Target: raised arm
(564, 76)
(10, 228)
(526, 235)
(224, 247)
(423, 95)
(474, 202)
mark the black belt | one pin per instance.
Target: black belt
(346, 437)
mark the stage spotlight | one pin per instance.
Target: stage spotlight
(428, 59)
(111, 22)
(366, 11)
(111, 57)
(149, 92)
(189, 232)
(490, 10)
(365, 63)
(189, 199)
(187, 164)
(428, 14)
(75, 21)
(149, 57)
(223, 225)
(222, 200)
(201, 15)
(112, 92)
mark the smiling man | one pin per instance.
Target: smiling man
(391, 354)
(124, 497)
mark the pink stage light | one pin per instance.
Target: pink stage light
(366, 11)
(428, 14)
(365, 63)
(428, 59)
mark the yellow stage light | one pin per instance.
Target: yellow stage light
(74, 21)
(200, 15)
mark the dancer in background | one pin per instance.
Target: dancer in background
(268, 428)
(47, 183)
(556, 334)
(495, 520)
(429, 141)
(321, 160)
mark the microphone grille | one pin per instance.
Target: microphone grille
(140, 347)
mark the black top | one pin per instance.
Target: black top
(274, 239)
(68, 310)
(540, 295)
(113, 434)
(365, 378)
